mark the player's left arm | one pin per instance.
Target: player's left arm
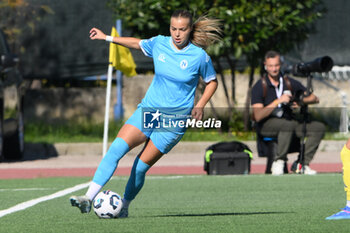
(129, 42)
(197, 112)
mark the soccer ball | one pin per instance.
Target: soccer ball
(107, 204)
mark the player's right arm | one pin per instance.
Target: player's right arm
(129, 42)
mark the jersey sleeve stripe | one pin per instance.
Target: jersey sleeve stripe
(209, 78)
(142, 49)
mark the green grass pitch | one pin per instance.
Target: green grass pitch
(251, 203)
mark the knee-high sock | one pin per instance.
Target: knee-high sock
(136, 179)
(110, 161)
(345, 158)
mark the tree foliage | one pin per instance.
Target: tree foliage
(20, 16)
(253, 27)
(249, 26)
(151, 17)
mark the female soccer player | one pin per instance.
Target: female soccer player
(179, 61)
(345, 158)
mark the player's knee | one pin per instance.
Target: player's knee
(141, 167)
(117, 149)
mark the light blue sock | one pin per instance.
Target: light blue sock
(110, 161)
(136, 179)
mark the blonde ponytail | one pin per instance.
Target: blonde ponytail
(206, 31)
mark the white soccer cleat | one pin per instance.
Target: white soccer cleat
(82, 202)
(309, 171)
(277, 168)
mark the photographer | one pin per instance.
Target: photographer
(273, 98)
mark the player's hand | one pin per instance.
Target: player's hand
(97, 34)
(197, 113)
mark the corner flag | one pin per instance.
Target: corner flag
(121, 57)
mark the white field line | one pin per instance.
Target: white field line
(25, 189)
(27, 204)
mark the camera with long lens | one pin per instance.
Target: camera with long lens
(321, 64)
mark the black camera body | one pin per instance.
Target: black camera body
(298, 98)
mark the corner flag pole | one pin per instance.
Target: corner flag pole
(118, 107)
(121, 59)
(108, 98)
(112, 56)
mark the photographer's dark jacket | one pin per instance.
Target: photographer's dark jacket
(269, 95)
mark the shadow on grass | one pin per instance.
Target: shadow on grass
(222, 214)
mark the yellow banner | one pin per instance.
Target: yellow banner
(121, 57)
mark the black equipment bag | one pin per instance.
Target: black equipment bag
(226, 158)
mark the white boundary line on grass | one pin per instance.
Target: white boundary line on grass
(25, 189)
(27, 204)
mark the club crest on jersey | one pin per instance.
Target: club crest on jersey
(161, 57)
(183, 64)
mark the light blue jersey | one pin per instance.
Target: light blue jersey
(176, 72)
(171, 93)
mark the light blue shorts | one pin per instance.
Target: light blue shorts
(164, 139)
